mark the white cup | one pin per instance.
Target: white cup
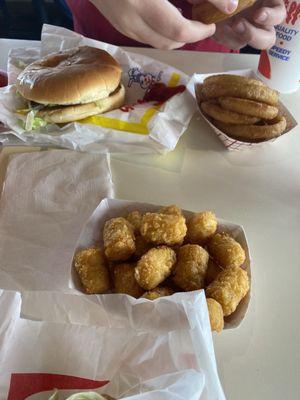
(279, 67)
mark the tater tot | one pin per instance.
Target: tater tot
(216, 315)
(91, 267)
(230, 287)
(191, 267)
(200, 227)
(118, 238)
(212, 272)
(124, 280)
(226, 251)
(160, 291)
(154, 267)
(141, 247)
(135, 218)
(171, 210)
(163, 228)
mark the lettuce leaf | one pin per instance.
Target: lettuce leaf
(32, 122)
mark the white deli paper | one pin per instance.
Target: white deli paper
(40, 355)
(138, 127)
(91, 235)
(229, 142)
(46, 199)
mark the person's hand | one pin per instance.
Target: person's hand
(157, 22)
(254, 26)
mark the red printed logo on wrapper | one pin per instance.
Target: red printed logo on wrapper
(158, 93)
(22, 386)
(292, 11)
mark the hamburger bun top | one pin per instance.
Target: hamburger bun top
(75, 76)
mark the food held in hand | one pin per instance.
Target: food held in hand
(244, 108)
(201, 226)
(124, 280)
(154, 267)
(72, 84)
(209, 14)
(191, 266)
(216, 315)
(92, 269)
(119, 240)
(168, 229)
(212, 272)
(226, 251)
(159, 291)
(135, 218)
(229, 288)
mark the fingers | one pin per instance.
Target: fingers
(229, 38)
(156, 22)
(272, 15)
(226, 6)
(152, 38)
(254, 36)
(256, 29)
(161, 16)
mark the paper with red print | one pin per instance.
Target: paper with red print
(279, 66)
(157, 109)
(75, 343)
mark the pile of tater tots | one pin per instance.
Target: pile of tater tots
(156, 254)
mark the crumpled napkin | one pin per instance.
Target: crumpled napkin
(46, 199)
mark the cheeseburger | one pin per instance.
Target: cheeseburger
(71, 85)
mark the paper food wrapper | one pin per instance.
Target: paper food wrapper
(41, 352)
(46, 199)
(230, 143)
(138, 127)
(91, 235)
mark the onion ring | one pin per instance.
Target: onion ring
(229, 117)
(253, 133)
(252, 92)
(248, 107)
(232, 79)
(198, 91)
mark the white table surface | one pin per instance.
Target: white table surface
(259, 189)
